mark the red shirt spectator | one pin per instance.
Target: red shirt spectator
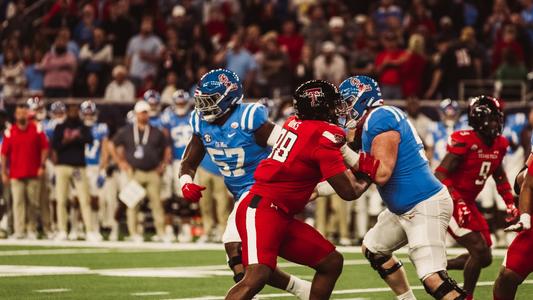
(292, 42)
(412, 72)
(508, 40)
(23, 149)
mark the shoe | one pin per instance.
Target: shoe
(113, 235)
(94, 237)
(72, 235)
(137, 238)
(202, 239)
(156, 238)
(31, 235)
(48, 235)
(61, 236)
(185, 235)
(17, 236)
(345, 242)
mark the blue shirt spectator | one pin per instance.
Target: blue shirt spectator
(143, 53)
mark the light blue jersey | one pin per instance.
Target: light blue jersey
(514, 124)
(232, 146)
(412, 180)
(93, 151)
(179, 129)
(49, 125)
(156, 121)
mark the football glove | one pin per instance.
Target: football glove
(368, 165)
(524, 223)
(192, 192)
(512, 213)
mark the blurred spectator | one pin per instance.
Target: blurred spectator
(386, 15)
(24, 150)
(144, 53)
(83, 32)
(34, 76)
(420, 121)
(201, 51)
(274, 68)
(119, 27)
(181, 23)
(292, 42)
(120, 89)
(419, 19)
(170, 88)
(388, 67)
(174, 55)
(316, 31)
(527, 17)
(92, 87)
(12, 75)
(268, 20)
(216, 26)
(72, 46)
(363, 50)
(68, 143)
(507, 41)
(239, 60)
(304, 69)
(511, 67)
(494, 24)
(458, 62)
(252, 39)
(413, 66)
(337, 35)
(59, 68)
(329, 65)
(62, 13)
(143, 153)
(96, 56)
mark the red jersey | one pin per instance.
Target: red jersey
(479, 161)
(306, 153)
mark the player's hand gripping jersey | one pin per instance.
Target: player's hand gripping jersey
(479, 161)
(232, 146)
(306, 153)
(412, 181)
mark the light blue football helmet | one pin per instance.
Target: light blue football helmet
(359, 93)
(217, 92)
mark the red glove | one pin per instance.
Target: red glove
(512, 213)
(463, 213)
(368, 165)
(192, 192)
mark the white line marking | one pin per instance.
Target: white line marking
(150, 293)
(74, 251)
(338, 292)
(185, 246)
(52, 291)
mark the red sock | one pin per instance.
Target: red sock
(469, 297)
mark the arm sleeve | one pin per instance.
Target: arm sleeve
(254, 116)
(458, 143)
(328, 154)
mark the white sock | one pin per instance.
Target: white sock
(299, 288)
(407, 296)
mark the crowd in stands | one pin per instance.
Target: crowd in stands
(117, 49)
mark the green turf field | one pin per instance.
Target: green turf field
(46, 272)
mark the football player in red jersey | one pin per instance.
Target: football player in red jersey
(517, 264)
(307, 151)
(473, 156)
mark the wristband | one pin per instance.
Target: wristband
(351, 158)
(525, 219)
(184, 179)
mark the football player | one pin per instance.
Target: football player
(307, 151)
(154, 99)
(97, 158)
(517, 264)
(237, 137)
(418, 206)
(473, 156)
(437, 138)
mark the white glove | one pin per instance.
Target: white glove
(524, 223)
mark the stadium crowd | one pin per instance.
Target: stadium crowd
(119, 51)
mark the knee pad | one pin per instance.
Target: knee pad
(377, 261)
(447, 286)
(235, 260)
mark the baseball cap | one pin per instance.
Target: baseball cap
(141, 106)
(178, 11)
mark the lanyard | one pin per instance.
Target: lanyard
(136, 135)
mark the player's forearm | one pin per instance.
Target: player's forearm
(525, 195)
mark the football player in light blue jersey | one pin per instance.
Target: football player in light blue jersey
(58, 114)
(154, 99)
(97, 159)
(237, 137)
(419, 207)
(437, 138)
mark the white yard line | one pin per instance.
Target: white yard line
(74, 251)
(337, 292)
(52, 291)
(180, 246)
(150, 293)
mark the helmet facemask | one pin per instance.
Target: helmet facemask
(207, 105)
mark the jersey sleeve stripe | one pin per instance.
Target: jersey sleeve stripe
(330, 136)
(251, 117)
(395, 113)
(244, 115)
(369, 117)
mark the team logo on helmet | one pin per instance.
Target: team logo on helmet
(361, 87)
(313, 95)
(226, 82)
